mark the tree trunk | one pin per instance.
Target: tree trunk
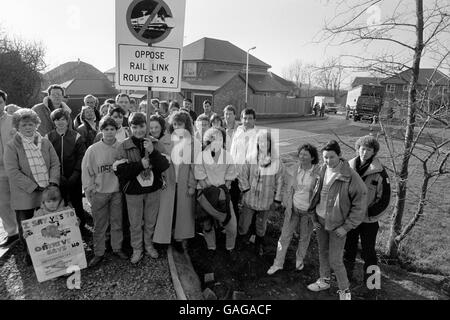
(399, 207)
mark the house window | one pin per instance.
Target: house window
(189, 69)
(390, 88)
(444, 90)
(405, 88)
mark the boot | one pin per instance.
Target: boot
(259, 246)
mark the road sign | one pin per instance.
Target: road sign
(154, 67)
(159, 23)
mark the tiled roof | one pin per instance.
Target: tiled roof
(208, 49)
(265, 83)
(425, 75)
(366, 80)
(211, 83)
(99, 87)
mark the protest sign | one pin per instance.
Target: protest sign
(55, 245)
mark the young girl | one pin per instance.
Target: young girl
(214, 168)
(176, 218)
(299, 189)
(52, 202)
(261, 182)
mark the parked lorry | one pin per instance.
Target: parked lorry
(365, 102)
(330, 103)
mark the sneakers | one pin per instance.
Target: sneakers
(136, 257)
(120, 254)
(9, 240)
(344, 294)
(273, 269)
(151, 251)
(299, 265)
(95, 261)
(320, 285)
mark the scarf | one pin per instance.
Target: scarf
(32, 147)
(362, 168)
(145, 178)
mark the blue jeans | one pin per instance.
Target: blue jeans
(331, 255)
(289, 225)
(142, 212)
(107, 210)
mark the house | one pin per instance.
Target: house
(432, 83)
(216, 70)
(80, 79)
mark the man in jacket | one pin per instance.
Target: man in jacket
(338, 205)
(53, 101)
(369, 167)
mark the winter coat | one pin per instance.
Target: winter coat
(347, 199)
(70, 149)
(184, 211)
(129, 171)
(7, 132)
(87, 133)
(378, 189)
(291, 186)
(43, 111)
(23, 186)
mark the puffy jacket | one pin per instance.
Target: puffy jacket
(128, 172)
(378, 189)
(347, 199)
(87, 133)
(70, 148)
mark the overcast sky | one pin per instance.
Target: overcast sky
(282, 30)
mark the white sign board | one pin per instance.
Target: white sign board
(144, 23)
(55, 245)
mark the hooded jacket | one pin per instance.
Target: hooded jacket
(347, 199)
(43, 111)
(378, 189)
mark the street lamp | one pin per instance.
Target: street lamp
(246, 77)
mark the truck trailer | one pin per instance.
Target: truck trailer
(365, 102)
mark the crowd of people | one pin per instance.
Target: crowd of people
(151, 177)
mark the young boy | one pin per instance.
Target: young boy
(101, 187)
(139, 169)
(118, 114)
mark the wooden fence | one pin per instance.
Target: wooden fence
(279, 105)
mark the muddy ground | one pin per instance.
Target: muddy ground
(247, 274)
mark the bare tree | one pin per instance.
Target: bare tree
(412, 32)
(329, 75)
(21, 64)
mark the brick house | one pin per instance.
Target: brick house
(216, 70)
(396, 90)
(80, 79)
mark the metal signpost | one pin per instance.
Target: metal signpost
(140, 24)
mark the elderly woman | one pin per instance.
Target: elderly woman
(31, 164)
